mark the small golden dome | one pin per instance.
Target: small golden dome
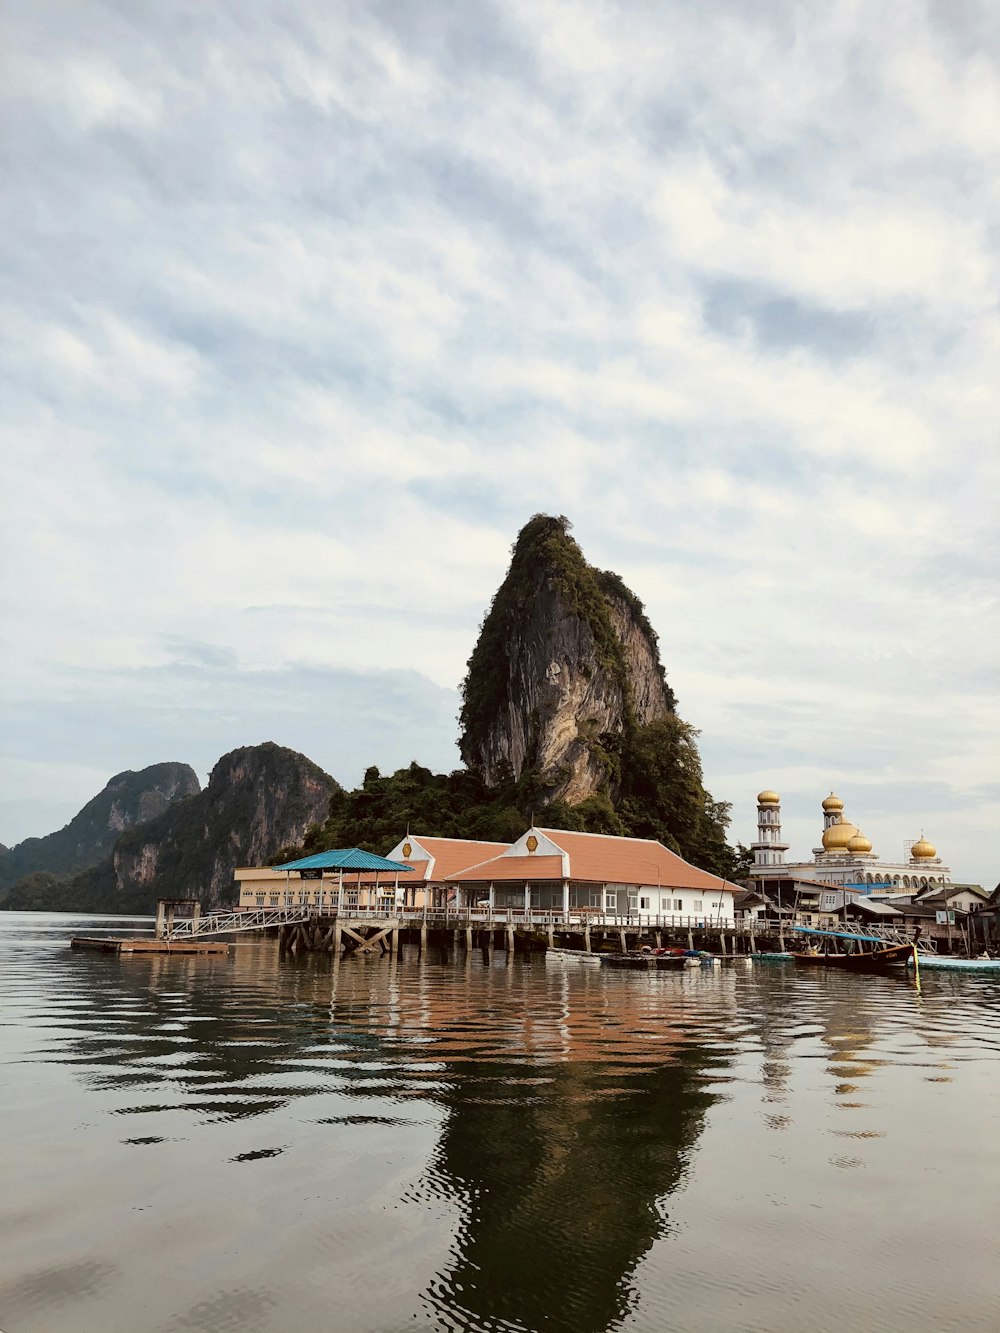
(768, 798)
(922, 850)
(832, 803)
(837, 837)
(859, 843)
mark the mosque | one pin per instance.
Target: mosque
(845, 856)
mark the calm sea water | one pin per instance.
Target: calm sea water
(242, 1144)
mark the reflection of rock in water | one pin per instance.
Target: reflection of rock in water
(571, 1100)
(561, 1190)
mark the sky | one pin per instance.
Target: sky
(307, 308)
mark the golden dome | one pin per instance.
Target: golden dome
(859, 843)
(768, 798)
(923, 850)
(837, 837)
(832, 803)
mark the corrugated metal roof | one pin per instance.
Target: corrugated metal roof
(350, 858)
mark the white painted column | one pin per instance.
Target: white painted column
(565, 897)
(527, 899)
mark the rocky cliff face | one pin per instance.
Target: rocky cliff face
(258, 799)
(129, 799)
(565, 666)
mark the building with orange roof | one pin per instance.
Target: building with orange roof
(555, 870)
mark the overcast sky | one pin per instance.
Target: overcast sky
(307, 308)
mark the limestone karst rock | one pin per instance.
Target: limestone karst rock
(130, 798)
(259, 799)
(566, 664)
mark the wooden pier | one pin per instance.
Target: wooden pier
(307, 929)
(370, 933)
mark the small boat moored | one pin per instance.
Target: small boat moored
(856, 959)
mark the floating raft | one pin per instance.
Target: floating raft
(934, 963)
(110, 944)
(662, 962)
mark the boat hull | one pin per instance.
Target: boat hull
(877, 960)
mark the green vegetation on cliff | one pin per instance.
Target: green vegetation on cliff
(128, 800)
(661, 797)
(258, 799)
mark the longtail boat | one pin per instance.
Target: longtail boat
(858, 959)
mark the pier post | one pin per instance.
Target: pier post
(161, 919)
(586, 937)
(468, 939)
(510, 942)
(336, 938)
(624, 942)
(690, 938)
(423, 936)
(552, 937)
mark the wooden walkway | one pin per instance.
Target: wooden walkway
(492, 919)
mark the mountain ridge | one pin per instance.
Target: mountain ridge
(129, 798)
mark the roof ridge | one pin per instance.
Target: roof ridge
(618, 837)
(481, 842)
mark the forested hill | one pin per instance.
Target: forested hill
(258, 799)
(128, 799)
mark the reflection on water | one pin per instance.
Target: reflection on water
(211, 1143)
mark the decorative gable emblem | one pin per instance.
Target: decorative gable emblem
(407, 850)
(532, 843)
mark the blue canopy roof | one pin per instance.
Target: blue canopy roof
(839, 934)
(350, 858)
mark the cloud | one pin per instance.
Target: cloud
(306, 312)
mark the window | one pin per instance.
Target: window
(260, 899)
(644, 904)
(664, 904)
(829, 900)
(696, 906)
(611, 901)
(678, 904)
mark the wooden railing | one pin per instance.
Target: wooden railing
(498, 918)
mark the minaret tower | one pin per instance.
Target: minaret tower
(768, 851)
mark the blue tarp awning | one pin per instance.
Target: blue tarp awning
(350, 858)
(838, 934)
